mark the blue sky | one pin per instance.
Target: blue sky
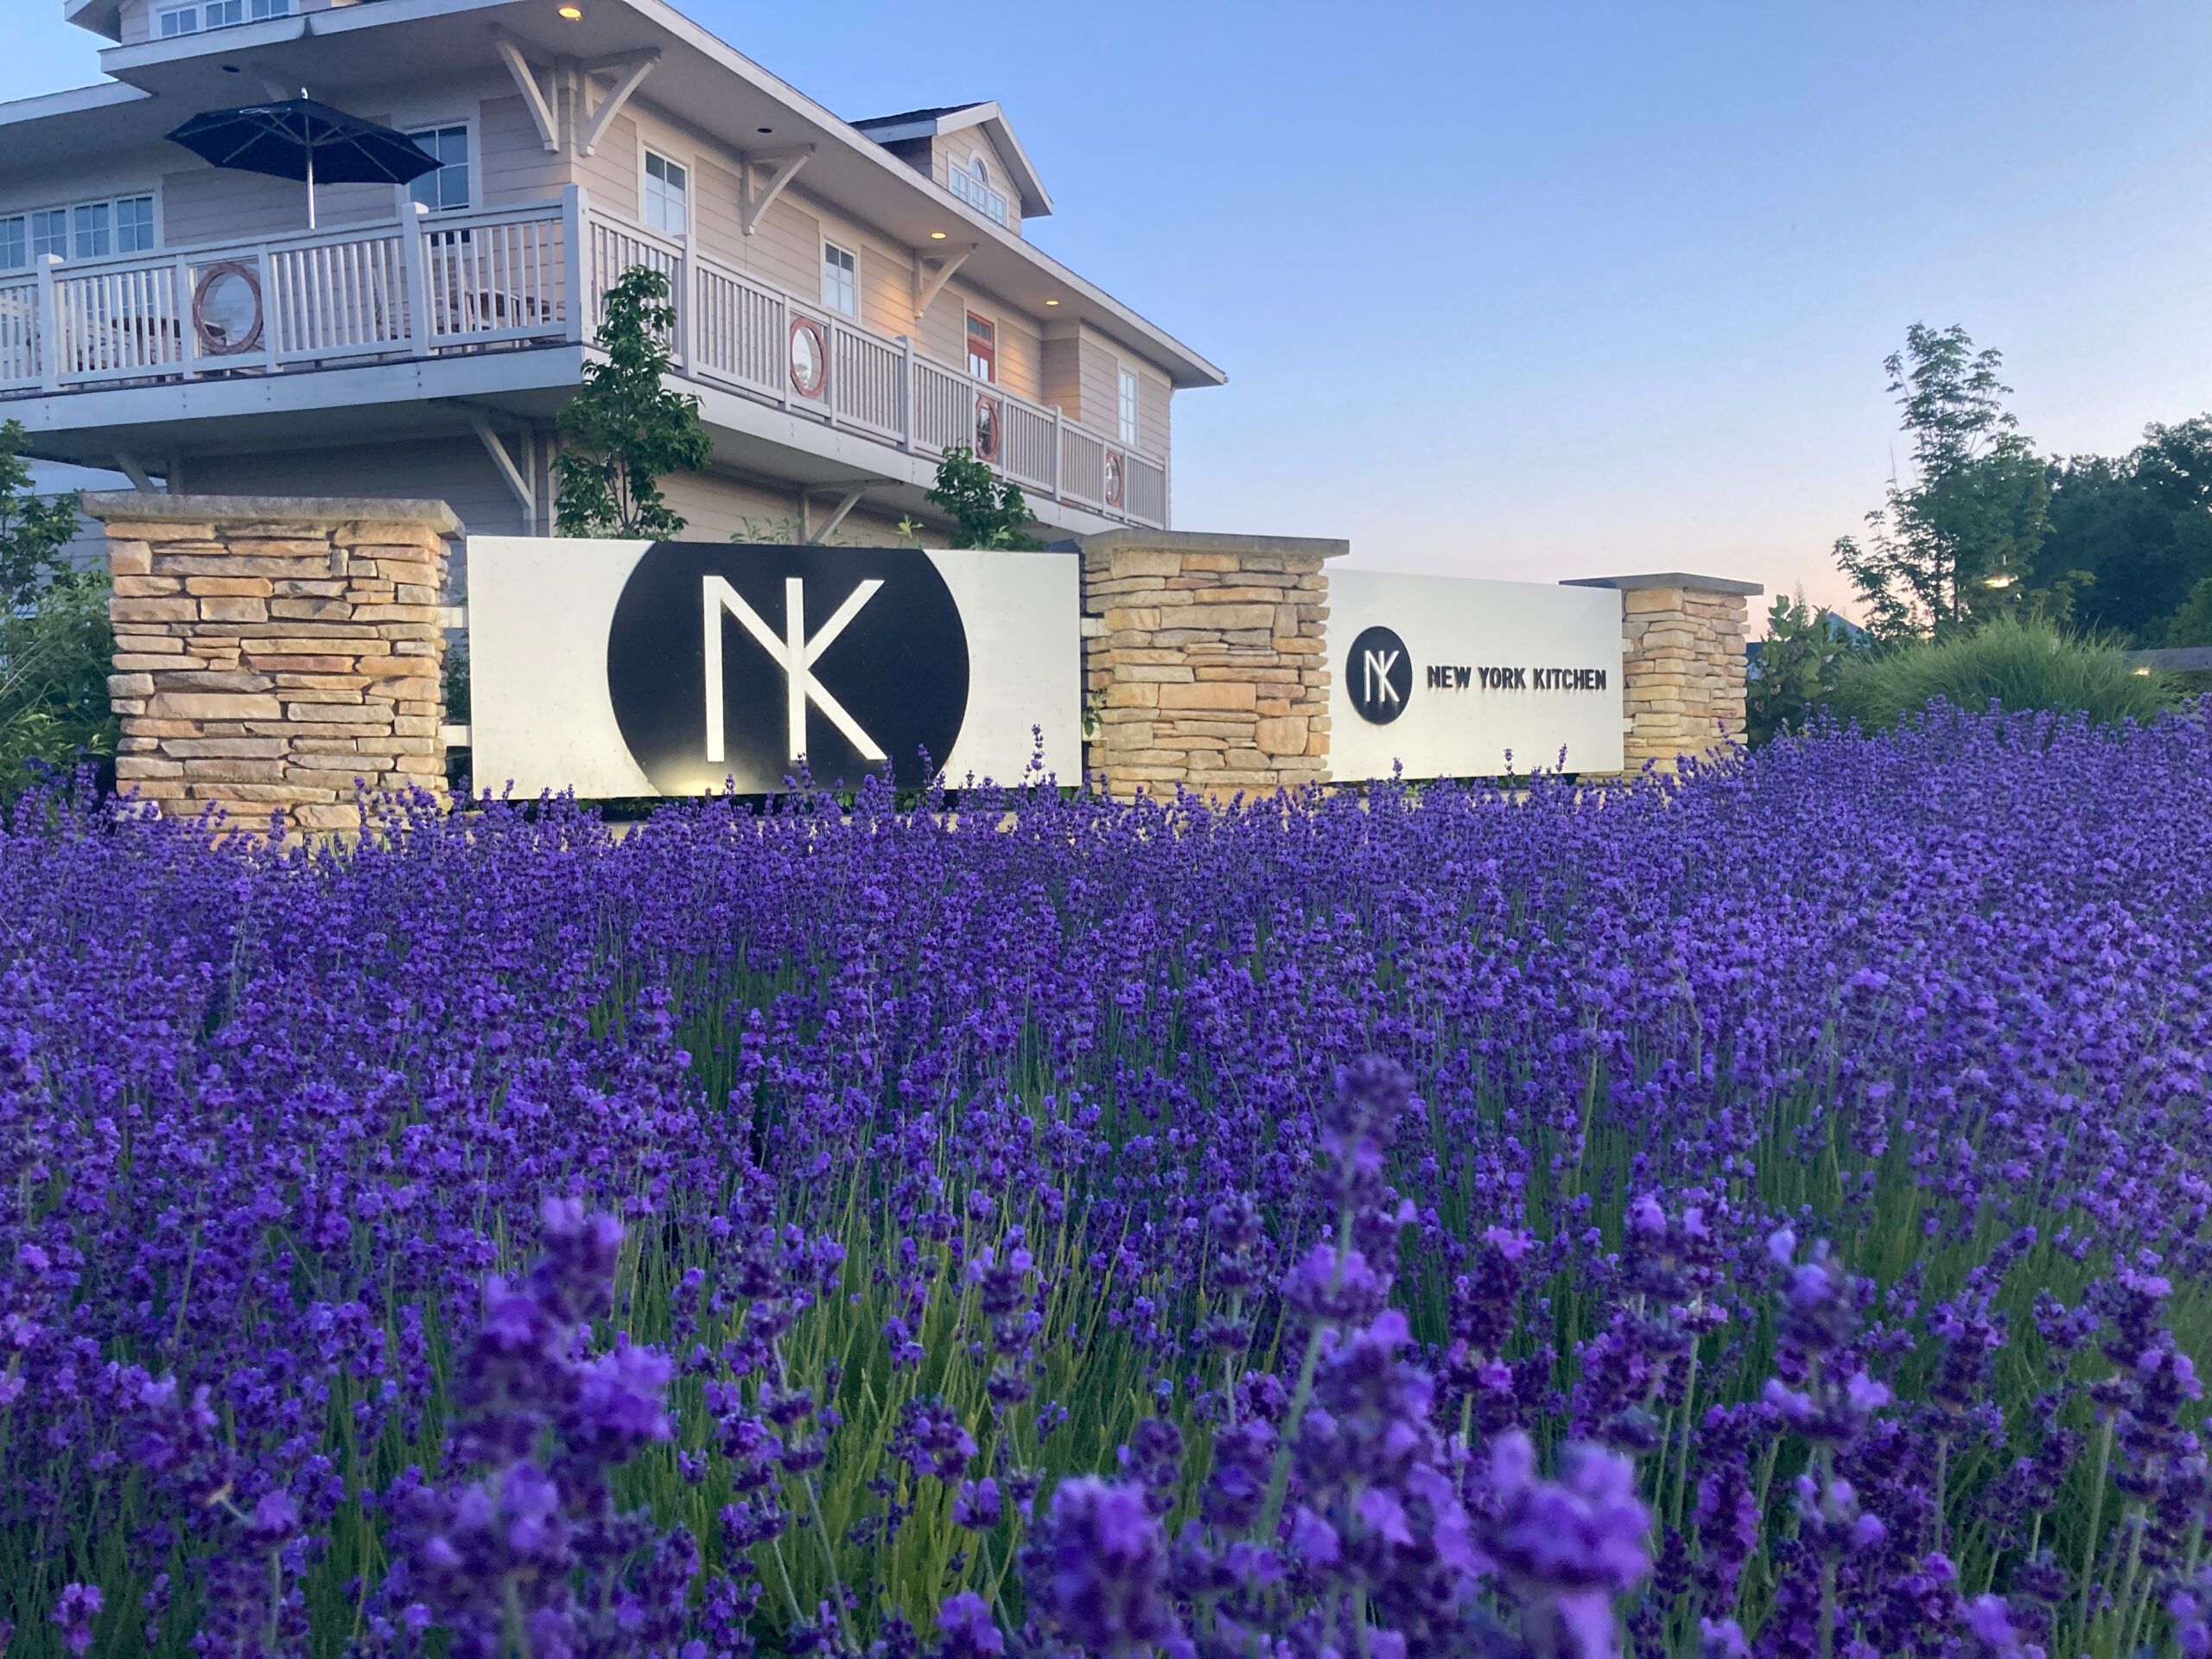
(1564, 289)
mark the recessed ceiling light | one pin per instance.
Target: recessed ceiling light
(764, 129)
(230, 68)
(936, 236)
(1052, 301)
(574, 14)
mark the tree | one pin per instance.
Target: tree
(56, 645)
(2191, 625)
(625, 430)
(1951, 548)
(991, 512)
(33, 532)
(2130, 537)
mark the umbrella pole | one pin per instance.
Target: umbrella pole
(310, 186)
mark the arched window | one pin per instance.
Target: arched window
(972, 184)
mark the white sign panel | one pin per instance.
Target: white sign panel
(1449, 676)
(632, 668)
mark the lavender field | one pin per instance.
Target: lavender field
(1765, 1214)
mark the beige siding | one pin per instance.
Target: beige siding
(209, 204)
(1099, 369)
(1062, 375)
(716, 509)
(512, 164)
(786, 248)
(610, 174)
(1154, 396)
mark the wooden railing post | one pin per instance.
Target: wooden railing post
(188, 342)
(415, 269)
(51, 340)
(683, 294)
(574, 262)
(270, 310)
(907, 393)
(1059, 450)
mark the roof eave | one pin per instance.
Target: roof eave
(100, 95)
(1188, 371)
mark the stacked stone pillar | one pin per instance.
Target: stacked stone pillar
(1205, 661)
(1683, 663)
(273, 652)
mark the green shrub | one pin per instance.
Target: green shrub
(2018, 663)
(1805, 652)
(55, 654)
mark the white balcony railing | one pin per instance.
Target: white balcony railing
(507, 277)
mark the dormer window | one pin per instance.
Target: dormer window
(972, 184)
(169, 21)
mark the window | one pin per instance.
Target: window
(982, 348)
(172, 21)
(134, 225)
(972, 184)
(89, 222)
(665, 196)
(840, 289)
(447, 187)
(1129, 406)
(85, 229)
(49, 234)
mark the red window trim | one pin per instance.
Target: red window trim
(990, 344)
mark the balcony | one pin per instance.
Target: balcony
(504, 279)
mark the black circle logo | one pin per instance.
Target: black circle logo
(737, 664)
(1380, 674)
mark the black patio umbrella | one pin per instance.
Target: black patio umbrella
(304, 138)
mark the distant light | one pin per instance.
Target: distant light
(574, 14)
(2142, 673)
(2002, 579)
(936, 236)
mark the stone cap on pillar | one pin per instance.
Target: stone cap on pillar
(1206, 541)
(1681, 579)
(135, 506)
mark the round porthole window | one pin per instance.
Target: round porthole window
(226, 316)
(810, 356)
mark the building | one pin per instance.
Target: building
(852, 296)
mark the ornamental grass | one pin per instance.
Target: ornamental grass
(1759, 1212)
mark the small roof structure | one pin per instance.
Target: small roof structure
(942, 118)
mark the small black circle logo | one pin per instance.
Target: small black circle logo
(736, 663)
(1380, 674)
